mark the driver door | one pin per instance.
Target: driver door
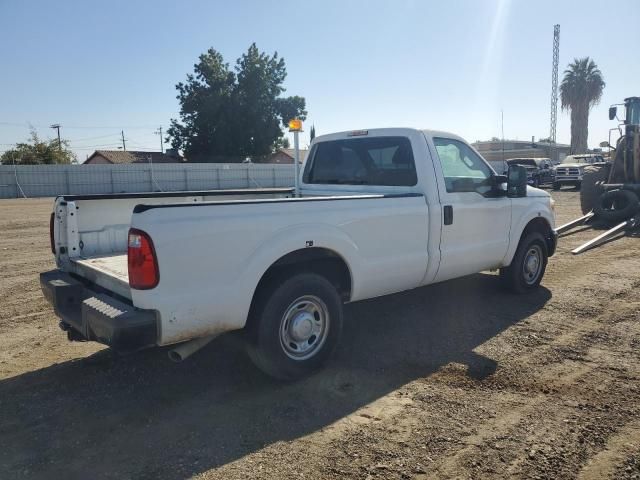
(475, 220)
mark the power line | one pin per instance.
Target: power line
(136, 142)
(92, 138)
(90, 147)
(103, 127)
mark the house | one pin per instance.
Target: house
(285, 155)
(132, 156)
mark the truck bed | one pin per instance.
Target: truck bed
(97, 226)
(108, 271)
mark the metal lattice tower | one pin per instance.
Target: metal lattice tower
(554, 83)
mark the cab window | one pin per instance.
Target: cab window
(462, 168)
(365, 161)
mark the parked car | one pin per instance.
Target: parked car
(379, 211)
(570, 171)
(539, 170)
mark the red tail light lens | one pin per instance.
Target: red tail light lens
(52, 239)
(142, 261)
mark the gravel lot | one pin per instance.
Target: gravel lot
(452, 380)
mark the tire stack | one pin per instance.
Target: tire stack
(616, 206)
(593, 177)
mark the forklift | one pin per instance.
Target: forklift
(610, 193)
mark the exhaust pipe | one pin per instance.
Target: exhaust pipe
(186, 349)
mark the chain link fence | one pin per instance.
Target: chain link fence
(53, 180)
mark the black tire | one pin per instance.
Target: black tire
(592, 180)
(271, 325)
(536, 182)
(556, 186)
(515, 277)
(616, 206)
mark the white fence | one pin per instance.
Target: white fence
(52, 180)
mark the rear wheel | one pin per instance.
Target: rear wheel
(528, 265)
(295, 326)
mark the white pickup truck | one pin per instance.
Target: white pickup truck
(571, 170)
(378, 212)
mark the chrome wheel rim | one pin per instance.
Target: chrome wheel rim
(532, 264)
(304, 327)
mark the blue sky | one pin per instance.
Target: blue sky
(97, 67)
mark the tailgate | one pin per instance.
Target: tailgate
(108, 271)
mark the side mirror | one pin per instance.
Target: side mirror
(517, 181)
(612, 112)
(499, 180)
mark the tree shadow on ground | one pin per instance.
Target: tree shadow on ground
(144, 417)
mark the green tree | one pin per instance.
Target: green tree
(581, 89)
(38, 151)
(230, 115)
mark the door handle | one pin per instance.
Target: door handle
(448, 214)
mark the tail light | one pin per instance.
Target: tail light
(142, 261)
(52, 239)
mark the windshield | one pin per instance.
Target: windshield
(572, 159)
(525, 162)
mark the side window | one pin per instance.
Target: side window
(463, 169)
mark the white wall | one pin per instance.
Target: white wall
(52, 180)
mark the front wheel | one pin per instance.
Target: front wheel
(295, 326)
(528, 265)
(556, 186)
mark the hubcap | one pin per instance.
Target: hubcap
(304, 327)
(532, 264)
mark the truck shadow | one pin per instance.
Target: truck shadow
(144, 417)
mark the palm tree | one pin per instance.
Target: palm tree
(581, 89)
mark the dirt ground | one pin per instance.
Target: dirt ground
(452, 380)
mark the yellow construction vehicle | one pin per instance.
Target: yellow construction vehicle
(610, 192)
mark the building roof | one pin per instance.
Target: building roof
(290, 152)
(489, 145)
(133, 156)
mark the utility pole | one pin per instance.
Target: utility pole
(159, 132)
(124, 146)
(295, 126)
(502, 128)
(554, 91)
(56, 126)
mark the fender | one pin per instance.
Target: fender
(533, 210)
(294, 238)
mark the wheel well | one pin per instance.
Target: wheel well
(322, 261)
(542, 226)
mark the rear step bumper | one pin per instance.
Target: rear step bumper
(97, 316)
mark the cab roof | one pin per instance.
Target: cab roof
(379, 132)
